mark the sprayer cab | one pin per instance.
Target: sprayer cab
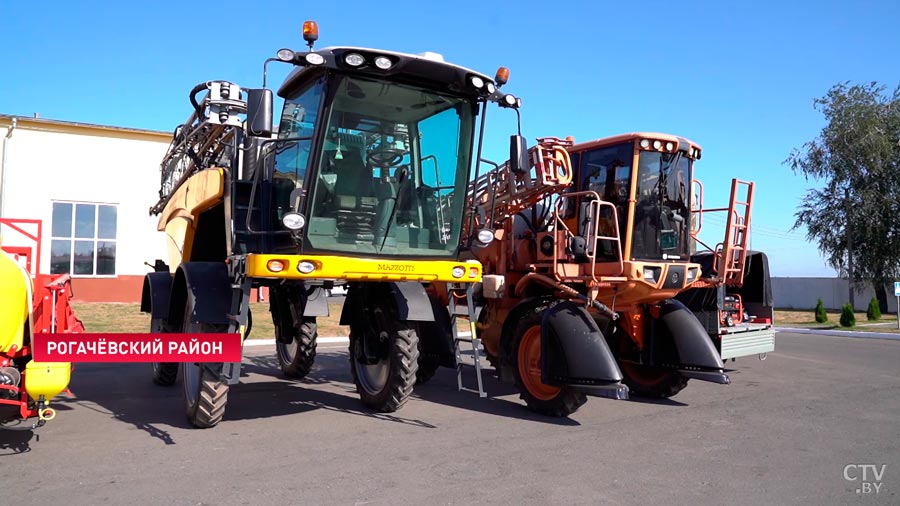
(371, 153)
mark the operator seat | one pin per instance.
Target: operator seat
(354, 185)
(354, 197)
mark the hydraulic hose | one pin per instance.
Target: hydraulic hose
(568, 290)
(193, 97)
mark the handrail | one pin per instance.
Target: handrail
(500, 193)
(596, 203)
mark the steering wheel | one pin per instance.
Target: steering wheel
(386, 157)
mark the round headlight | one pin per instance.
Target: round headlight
(645, 143)
(477, 81)
(293, 221)
(306, 267)
(285, 55)
(458, 271)
(485, 236)
(315, 59)
(491, 88)
(657, 144)
(354, 59)
(510, 100)
(670, 146)
(383, 62)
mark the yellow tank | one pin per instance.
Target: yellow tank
(46, 379)
(16, 294)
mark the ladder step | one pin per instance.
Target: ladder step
(467, 311)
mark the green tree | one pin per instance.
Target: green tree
(854, 216)
(848, 319)
(821, 315)
(874, 311)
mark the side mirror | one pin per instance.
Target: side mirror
(259, 112)
(295, 198)
(518, 154)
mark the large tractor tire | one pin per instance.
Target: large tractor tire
(164, 373)
(426, 370)
(525, 359)
(493, 360)
(386, 383)
(297, 357)
(651, 382)
(205, 391)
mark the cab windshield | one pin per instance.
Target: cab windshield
(393, 165)
(661, 224)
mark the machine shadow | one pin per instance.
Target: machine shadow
(17, 441)
(656, 401)
(133, 398)
(443, 389)
(334, 368)
(125, 392)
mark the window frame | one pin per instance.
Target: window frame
(685, 240)
(325, 121)
(95, 239)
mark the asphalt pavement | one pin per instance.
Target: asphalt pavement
(794, 429)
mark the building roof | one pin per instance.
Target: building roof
(52, 124)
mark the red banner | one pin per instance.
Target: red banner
(137, 347)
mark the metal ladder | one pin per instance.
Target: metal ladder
(732, 257)
(456, 293)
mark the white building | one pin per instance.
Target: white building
(91, 187)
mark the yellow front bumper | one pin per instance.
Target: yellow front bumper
(362, 269)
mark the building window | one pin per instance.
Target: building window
(83, 239)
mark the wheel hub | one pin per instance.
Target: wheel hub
(372, 376)
(529, 362)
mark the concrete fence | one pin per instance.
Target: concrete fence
(802, 293)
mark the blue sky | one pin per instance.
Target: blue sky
(739, 79)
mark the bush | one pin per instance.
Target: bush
(848, 319)
(821, 315)
(874, 311)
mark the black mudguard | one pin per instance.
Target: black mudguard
(316, 302)
(155, 294)
(574, 353)
(696, 353)
(436, 337)
(209, 285)
(285, 298)
(410, 300)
